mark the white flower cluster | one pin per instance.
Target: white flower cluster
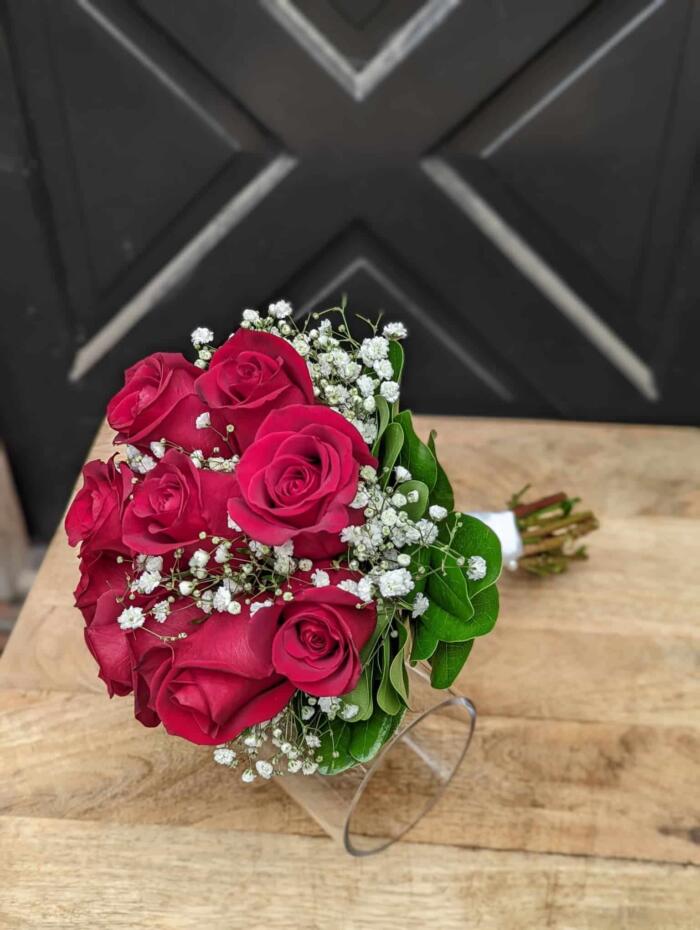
(202, 338)
(376, 544)
(138, 461)
(274, 747)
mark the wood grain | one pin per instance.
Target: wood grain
(60, 874)
(538, 785)
(587, 744)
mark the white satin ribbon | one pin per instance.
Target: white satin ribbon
(502, 522)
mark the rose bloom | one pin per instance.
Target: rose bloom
(151, 658)
(128, 659)
(298, 478)
(100, 573)
(248, 377)
(220, 680)
(319, 637)
(174, 503)
(95, 516)
(158, 401)
(109, 645)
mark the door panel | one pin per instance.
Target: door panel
(509, 178)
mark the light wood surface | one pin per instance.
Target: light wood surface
(578, 804)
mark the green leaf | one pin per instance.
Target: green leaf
(415, 455)
(447, 586)
(420, 558)
(397, 670)
(335, 739)
(369, 737)
(424, 642)
(417, 509)
(485, 611)
(447, 662)
(361, 696)
(383, 618)
(442, 493)
(392, 443)
(383, 417)
(387, 698)
(445, 626)
(396, 359)
(475, 538)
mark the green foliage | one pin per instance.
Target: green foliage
(387, 697)
(368, 737)
(485, 611)
(415, 455)
(424, 642)
(415, 510)
(473, 537)
(383, 619)
(459, 609)
(383, 418)
(391, 446)
(361, 695)
(420, 563)
(336, 739)
(442, 493)
(396, 358)
(397, 670)
(447, 662)
(447, 586)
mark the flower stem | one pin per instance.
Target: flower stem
(549, 527)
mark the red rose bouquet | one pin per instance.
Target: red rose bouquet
(274, 547)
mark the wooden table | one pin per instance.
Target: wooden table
(578, 805)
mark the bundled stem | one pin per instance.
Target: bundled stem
(549, 528)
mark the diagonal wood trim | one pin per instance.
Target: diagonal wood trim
(360, 83)
(543, 276)
(181, 265)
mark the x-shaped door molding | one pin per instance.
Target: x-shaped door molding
(377, 137)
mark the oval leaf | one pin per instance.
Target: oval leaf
(335, 739)
(448, 589)
(369, 737)
(396, 359)
(397, 670)
(383, 417)
(415, 455)
(415, 509)
(392, 444)
(387, 698)
(442, 493)
(475, 538)
(447, 662)
(485, 611)
(361, 696)
(424, 642)
(445, 626)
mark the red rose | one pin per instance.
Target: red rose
(158, 401)
(99, 573)
(152, 658)
(249, 376)
(128, 659)
(321, 632)
(221, 680)
(297, 479)
(95, 516)
(109, 645)
(174, 503)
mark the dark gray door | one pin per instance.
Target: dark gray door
(513, 178)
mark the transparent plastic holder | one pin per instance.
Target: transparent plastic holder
(370, 806)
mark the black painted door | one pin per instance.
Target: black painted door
(513, 178)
